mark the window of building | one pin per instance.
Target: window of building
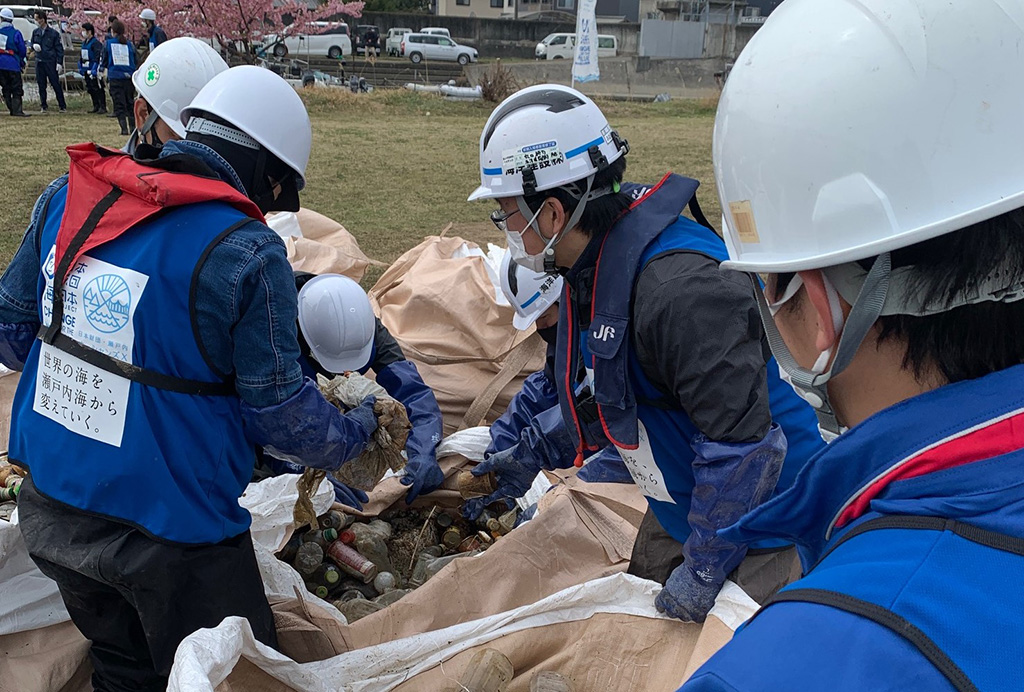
(498, 3)
(462, 2)
(565, 4)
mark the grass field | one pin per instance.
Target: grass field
(391, 166)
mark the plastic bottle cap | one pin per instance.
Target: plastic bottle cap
(330, 535)
(321, 591)
(332, 576)
(347, 537)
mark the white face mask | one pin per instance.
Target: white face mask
(517, 247)
(822, 361)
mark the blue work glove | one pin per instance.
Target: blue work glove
(306, 429)
(402, 381)
(514, 469)
(423, 474)
(351, 497)
(730, 479)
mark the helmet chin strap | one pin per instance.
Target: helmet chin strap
(814, 382)
(149, 127)
(577, 214)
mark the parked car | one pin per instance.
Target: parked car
(327, 38)
(560, 46)
(25, 21)
(393, 41)
(360, 42)
(436, 31)
(420, 47)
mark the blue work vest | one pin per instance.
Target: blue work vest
(950, 588)
(627, 410)
(10, 60)
(164, 459)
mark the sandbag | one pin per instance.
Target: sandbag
(602, 635)
(323, 247)
(442, 301)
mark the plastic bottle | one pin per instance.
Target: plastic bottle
(287, 553)
(322, 537)
(488, 671)
(393, 596)
(437, 564)
(550, 681)
(485, 516)
(358, 608)
(351, 562)
(419, 570)
(370, 542)
(332, 520)
(308, 559)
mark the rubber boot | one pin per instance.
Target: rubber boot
(124, 126)
(17, 109)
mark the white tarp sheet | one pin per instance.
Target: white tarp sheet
(207, 657)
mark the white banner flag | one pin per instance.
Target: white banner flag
(584, 64)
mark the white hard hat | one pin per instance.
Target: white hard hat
(529, 292)
(552, 134)
(173, 74)
(6, 14)
(263, 106)
(847, 129)
(337, 322)
(148, 14)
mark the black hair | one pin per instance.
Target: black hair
(39, 14)
(89, 27)
(969, 341)
(601, 213)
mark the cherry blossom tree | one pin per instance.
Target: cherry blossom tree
(237, 26)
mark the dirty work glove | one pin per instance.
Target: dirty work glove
(423, 474)
(686, 596)
(60, 69)
(351, 497)
(307, 430)
(730, 479)
(37, 48)
(515, 469)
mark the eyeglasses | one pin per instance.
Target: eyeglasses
(500, 218)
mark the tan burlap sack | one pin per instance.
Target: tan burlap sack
(326, 248)
(50, 659)
(442, 309)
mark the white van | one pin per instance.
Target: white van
(323, 38)
(435, 31)
(393, 41)
(560, 46)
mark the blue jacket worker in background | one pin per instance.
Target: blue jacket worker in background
(878, 195)
(49, 52)
(89, 68)
(154, 34)
(121, 63)
(659, 353)
(533, 413)
(152, 314)
(12, 64)
(339, 333)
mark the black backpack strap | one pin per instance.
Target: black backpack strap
(886, 618)
(54, 336)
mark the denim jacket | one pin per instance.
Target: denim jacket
(246, 305)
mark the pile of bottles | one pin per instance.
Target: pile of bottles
(10, 486)
(362, 566)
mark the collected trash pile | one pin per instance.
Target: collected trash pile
(362, 566)
(11, 477)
